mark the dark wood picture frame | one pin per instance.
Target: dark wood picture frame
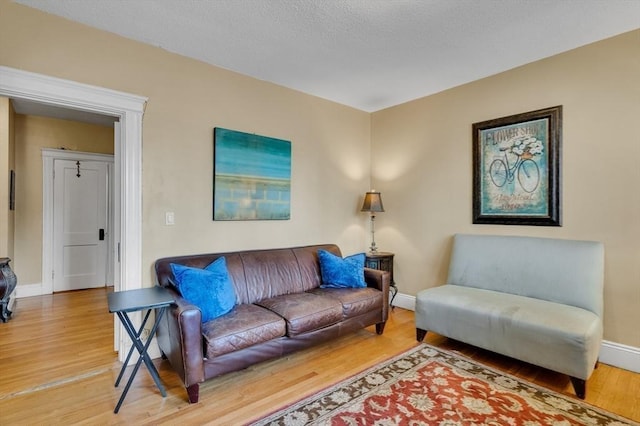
(516, 169)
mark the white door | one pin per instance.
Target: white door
(80, 224)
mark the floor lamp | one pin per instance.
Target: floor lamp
(372, 204)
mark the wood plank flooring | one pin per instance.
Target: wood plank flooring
(58, 366)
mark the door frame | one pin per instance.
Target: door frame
(49, 156)
(129, 109)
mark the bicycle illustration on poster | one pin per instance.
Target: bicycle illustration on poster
(516, 162)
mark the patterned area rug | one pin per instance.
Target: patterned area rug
(431, 386)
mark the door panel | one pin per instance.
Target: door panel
(80, 211)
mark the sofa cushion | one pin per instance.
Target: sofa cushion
(244, 326)
(304, 312)
(355, 301)
(210, 289)
(341, 273)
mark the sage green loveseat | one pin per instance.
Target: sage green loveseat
(538, 300)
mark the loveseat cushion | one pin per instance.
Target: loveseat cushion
(304, 312)
(354, 301)
(244, 326)
(552, 335)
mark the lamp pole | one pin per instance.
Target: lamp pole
(373, 247)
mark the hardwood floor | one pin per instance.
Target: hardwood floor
(58, 367)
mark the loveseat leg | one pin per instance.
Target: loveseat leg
(420, 334)
(194, 393)
(380, 327)
(579, 385)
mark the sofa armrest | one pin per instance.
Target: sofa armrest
(377, 279)
(180, 339)
(382, 281)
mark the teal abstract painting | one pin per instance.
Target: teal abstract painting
(252, 176)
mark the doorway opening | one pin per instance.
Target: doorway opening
(128, 109)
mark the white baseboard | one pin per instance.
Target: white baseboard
(621, 356)
(611, 353)
(405, 301)
(28, 290)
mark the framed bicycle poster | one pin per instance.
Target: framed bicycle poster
(516, 169)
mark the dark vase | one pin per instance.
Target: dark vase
(8, 283)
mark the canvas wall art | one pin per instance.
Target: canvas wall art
(252, 176)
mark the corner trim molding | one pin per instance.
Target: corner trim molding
(66, 93)
(611, 353)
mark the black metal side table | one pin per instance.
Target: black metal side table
(123, 302)
(383, 261)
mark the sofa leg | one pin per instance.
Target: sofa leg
(420, 334)
(380, 327)
(579, 385)
(194, 393)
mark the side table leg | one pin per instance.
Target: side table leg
(135, 339)
(394, 291)
(128, 385)
(5, 313)
(142, 350)
(137, 334)
(150, 367)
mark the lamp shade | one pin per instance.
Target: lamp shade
(372, 202)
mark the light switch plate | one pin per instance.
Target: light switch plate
(169, 218)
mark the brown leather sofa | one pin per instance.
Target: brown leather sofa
(280, 309)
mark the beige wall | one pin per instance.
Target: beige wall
(187, 99)
(419, 153)
(422, 163)
(31, 135)
(7, 163)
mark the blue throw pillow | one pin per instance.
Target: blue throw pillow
(341, 273)
(210, 289)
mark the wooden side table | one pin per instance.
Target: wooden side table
(8, 283)
(383, 261)
(123, 302)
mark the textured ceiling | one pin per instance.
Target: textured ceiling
(368, 54)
